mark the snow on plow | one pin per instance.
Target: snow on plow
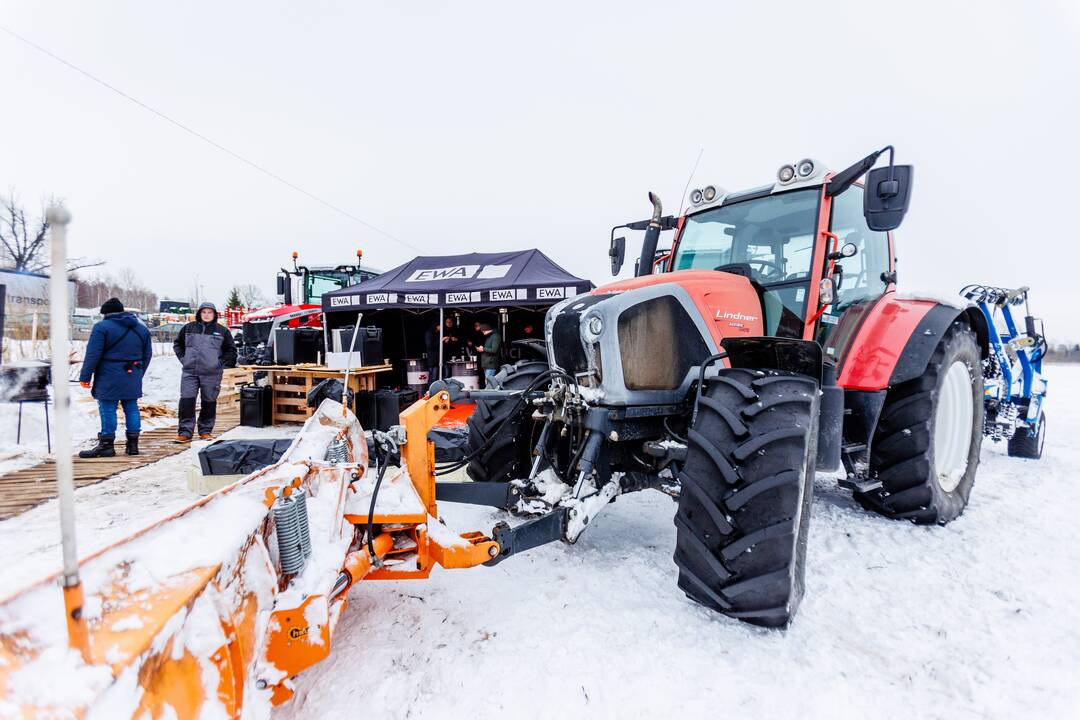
(216, 607)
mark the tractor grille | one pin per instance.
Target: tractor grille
(658, 344)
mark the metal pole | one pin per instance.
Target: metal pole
(348, 364)
(58, 218)
(440, 342)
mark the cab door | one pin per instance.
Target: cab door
(858, 280)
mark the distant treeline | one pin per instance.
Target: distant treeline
(1061, 352)
(92, 293)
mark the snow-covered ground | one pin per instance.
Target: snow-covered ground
(976, 619)
(161, 385)
(973, 620)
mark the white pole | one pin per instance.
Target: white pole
(440, 343)
(59, 331)
(59, 217)
(348, 364)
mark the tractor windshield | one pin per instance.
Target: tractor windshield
(324, 281)
(768, 238)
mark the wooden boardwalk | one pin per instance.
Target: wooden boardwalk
(23, 489)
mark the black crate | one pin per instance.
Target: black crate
(295, 346)
(256, 405)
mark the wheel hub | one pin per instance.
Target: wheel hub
(952, 426)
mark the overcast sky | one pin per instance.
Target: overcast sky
(500, 125)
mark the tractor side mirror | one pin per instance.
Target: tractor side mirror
(888, 193)
(617, 253)
(280, 284)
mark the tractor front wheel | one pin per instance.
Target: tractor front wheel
(744, 506)
(925, 449)
(502, 431)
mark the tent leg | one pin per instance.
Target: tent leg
(440, 343)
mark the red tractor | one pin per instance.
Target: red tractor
(771, 343)
(300, 291)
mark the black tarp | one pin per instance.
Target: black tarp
(473, 280)
(240, 457)
(451, 444)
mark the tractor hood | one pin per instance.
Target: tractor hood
(639, 341)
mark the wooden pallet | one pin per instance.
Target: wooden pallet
(26, 488)
(292, 383)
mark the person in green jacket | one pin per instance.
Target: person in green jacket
(490, 352)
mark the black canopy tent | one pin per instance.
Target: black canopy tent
(525, 279)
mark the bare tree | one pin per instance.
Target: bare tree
(252, 296)
(24, 240)
(92, 292)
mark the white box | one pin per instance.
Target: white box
(340, 361)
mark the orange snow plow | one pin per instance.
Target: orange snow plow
(217, 607)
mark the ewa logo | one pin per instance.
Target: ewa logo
(459, 272)
(340, 301)
(728, 315)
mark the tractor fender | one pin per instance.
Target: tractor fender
(898, 336)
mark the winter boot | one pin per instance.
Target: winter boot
(104, 448)
(132, 447)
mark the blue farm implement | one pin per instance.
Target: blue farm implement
(1014, 385)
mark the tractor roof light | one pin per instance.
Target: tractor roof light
(709, 194)
(805, 168)
(696, 196)
(786, 174)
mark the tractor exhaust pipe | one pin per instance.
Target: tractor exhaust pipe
(652, 236)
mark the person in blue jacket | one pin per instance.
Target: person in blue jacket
(117, 356)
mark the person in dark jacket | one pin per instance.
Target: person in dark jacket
(490, 352)
(431, 348)
(117, 355)
(205, 348)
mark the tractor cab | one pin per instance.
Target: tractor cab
(305, 285)
(804, 243)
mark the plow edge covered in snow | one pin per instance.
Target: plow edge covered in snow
(198, 611)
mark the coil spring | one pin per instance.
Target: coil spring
(338, 451)
(300, 501)
(293, 537)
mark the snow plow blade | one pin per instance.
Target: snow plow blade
(215, 608)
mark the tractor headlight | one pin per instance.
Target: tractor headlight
(806, 168)
(594, 326)
(696, 196)
(709, 194)
(786, 174)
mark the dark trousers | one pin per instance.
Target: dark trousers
(192, 388)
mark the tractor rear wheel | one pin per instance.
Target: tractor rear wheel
(502, 430)
(744, 507)
(1023, 445)
(925, 449)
